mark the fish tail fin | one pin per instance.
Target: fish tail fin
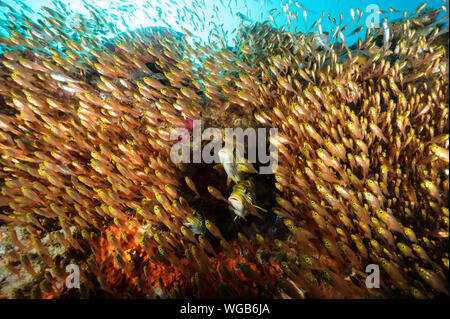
(247, 168)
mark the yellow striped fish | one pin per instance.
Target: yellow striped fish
(234, 165)
(196, 223)
(242, 199)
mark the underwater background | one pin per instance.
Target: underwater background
(223, 14)
(90, 92)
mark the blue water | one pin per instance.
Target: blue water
(206, 17)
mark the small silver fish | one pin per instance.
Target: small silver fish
(62, 78)
(386, 33)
